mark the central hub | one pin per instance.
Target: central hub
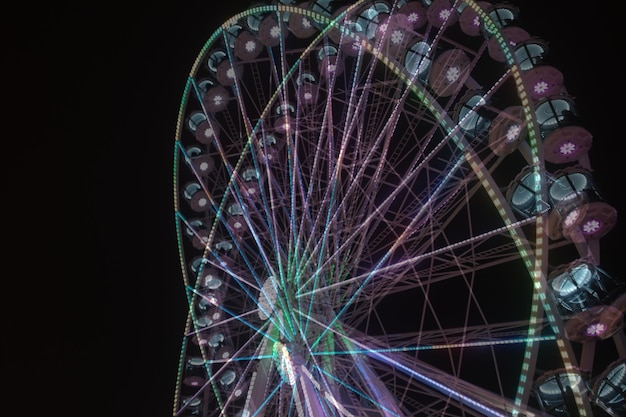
(288, 361)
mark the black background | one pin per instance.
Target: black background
(95, 305)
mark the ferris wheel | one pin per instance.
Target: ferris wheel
(386, 208)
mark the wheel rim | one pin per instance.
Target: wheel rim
(324, 175)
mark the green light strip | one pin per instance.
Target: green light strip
(536, 267)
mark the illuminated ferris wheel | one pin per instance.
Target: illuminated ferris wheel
(386, 208)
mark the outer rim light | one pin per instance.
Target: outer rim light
(507, 215)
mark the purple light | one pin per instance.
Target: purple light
(567, 148)
(591, 226)
(596, 329)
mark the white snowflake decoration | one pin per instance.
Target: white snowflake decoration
(306, 23)
(230, 73)
(541, 87)
(567, 148)
(209, 132)
(202, 202)
(596, 329)
(445, 14)
(591, 226)
(476, 21)
(204, 166)
(397, 36)
(413, 17)
(217, 100)
(250, 46)
(308, 95)
(512, 133)
(275, 32)
(571, 218)
(383, 27)
(453, 74)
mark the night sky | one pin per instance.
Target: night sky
(93, 95)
